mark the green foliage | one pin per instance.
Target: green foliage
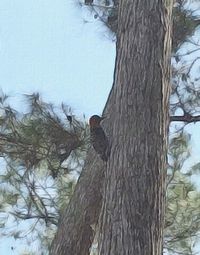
(183, 204)
(39, 136)
(184, 21)
(195, 169)
(184, 24)
(30, 192)
(42, 153)
(44, 149)
(183, 201)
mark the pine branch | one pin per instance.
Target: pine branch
(185, 118)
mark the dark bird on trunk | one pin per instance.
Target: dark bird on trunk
(98, 137)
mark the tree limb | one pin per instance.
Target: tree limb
(75, 235)
(185, 118)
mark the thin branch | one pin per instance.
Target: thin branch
(192, 64)
(185, 118)
(189, 52)
(24, 216)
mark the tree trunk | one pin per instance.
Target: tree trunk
(132, 215)
(75, 235)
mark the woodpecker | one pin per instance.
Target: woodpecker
(98, 138)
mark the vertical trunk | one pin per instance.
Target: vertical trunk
(132, 216)
(75, 235)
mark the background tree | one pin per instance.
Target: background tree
(44, 150)
(38, 168)
(185, 101)
(134, 176)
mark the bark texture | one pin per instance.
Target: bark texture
(75, 235)
(132, 215)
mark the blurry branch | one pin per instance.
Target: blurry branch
(182, 222)
(192, 64)
(185, 118)
(189, 52)
(185, 21)
(40, 136)
(37, 206)
(40, 149)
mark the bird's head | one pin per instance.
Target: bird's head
(95, 120)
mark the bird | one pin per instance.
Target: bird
(98, 137)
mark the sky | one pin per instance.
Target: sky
(58, 49)
(47, 46)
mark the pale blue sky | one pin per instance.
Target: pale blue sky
(46, 46)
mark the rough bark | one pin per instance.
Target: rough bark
(75, 235)
(137, 109)
(132, 216)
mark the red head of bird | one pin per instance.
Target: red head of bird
(95, 121)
